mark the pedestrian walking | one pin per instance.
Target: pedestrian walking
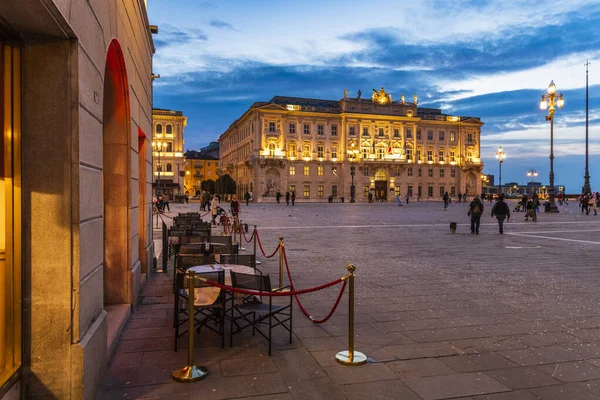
(370, 197)
(585, 203)
(214, 205)
(475, 211)
(530, 211)
(407, 198)
(235, 206)
(524, 203)
(459, 197)
(278, 196)
(399, 199)
(166, 201)
(502, 212)
(445, 197)
(287, 198)
(592, 205)
(293, 196)
(247, 198)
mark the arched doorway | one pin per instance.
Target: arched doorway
(271, 182)
(381, 185)
(115, 174)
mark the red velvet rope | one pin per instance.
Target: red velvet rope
(273, 294)
(205, 214)
(251, 236)
(263, 250)
(337, 302)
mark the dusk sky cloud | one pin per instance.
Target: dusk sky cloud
(491, 59)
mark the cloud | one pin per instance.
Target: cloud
(172, 36)
(217, 23)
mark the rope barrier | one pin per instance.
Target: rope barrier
(263, 250)
(251, 236)
(316, 321)
(273, 294)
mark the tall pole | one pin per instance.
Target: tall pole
(549, 102)
(586, 179)
(500, 179)
(352, 188)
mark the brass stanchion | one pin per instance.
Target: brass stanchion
(191, 372)
(225, 225)
(255, 239)
(280, 261)
(240, 227)
(351, 357)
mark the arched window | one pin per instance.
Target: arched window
(292, 149)
(306, 150)
(334, 151)
(320, 150)
(380, 175)
(169, 129)
(159, 129)
(169, 168)
(271, 147)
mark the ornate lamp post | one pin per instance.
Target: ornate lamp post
(586, 178)
(352, 157)
(549, 101)
(532, 173)
(500, 155)
(158, 147)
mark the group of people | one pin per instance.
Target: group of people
(589, 202)
(500, 210)
(288, 196)
(216, 210)
(161, 201)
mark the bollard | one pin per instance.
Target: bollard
(255, 255)
(191, 372)
(225, 225)
(234, 239)
(351, 357)
(280, 261)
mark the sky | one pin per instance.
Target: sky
(492, 59)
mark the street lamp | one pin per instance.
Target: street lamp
(158, 147)
(549, 100)
(500, 155)
(532, 173)
(352, 156)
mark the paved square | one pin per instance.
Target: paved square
(439, 315)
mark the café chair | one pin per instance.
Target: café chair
(252, 312)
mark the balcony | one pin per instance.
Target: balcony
(164, 173)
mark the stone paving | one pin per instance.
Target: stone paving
(439, 315)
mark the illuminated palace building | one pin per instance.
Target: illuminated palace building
(310, 146)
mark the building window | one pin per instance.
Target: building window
(430, 172)
(453, 172)
(418, 134)
(306, 191)
(208, 163)
(469, 137)
(419, 191)
(292, 150)
(334, 151)
(409, 133)
(453, 191)
(306, 170)
(442, 173)
(397, 191)
(419, 172)
(333, 130)
(396, 132)
(409, 171)
(452, 136)
(292, 188)
(292, 128)
(452, 156)
(159, 129)
(169, 167)
(429, 155)
(430, 134)
(306, 129)
(352, 131)
(409, 154)
(169, 129)
(380, 131)
(409, 190)
(365, 131)
(320, 130)
(430, 191)
(441, 134)
(441, 156)
(380, 153)
(320, 170)
(198, 183)
(334, 191)
(334, 171)
(169, 147)
(365, 152)
(442, 191)
(320, 151)
(366, 191)
(366, 171)
(306, 150)
(320, 191)
(271, 126)
(418, 154)
(271, 146)
(292, 170)
(159, 167)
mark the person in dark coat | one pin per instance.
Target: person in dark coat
(475, 211)
(293, 197)
(287, 198)
(502, 212)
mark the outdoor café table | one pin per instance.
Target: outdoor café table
(208, 295)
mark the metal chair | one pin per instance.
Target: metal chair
(240, 259)
(202, 314)
(261, 313)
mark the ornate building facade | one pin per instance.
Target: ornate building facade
(168, 140)
(310, 146)
(199, 167)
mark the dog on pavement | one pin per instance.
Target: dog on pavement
(453, 227)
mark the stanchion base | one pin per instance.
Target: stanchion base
(190, 374)
(287, 289)
(343, 357)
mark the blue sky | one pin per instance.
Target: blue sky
(487, 58)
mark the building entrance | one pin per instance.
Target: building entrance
(381, 190)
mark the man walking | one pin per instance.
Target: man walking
(475, 211)
(446, 200)
(293, 197)
(502, 212)
(247, 197)
(287, 198)
(278, 196)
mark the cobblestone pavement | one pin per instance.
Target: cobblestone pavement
(439, 315)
